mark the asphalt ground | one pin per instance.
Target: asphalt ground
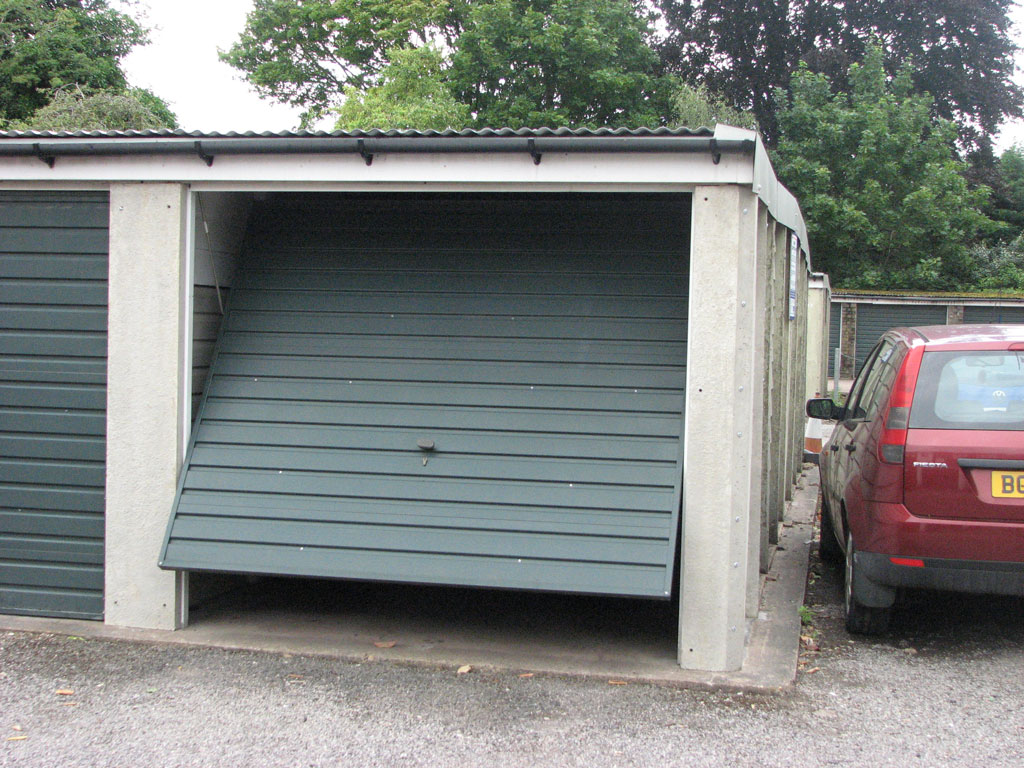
(944, 687)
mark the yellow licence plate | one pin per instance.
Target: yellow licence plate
(1008, 485)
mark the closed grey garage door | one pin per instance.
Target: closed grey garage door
(53, 349)
(875, 319)
(990, 314)
(473, 390)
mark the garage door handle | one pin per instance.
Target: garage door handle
(425, 445)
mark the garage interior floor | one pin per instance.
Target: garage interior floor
(429, 624)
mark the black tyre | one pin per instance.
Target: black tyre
(828, 544)
(860, 619)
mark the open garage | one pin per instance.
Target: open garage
(564, 361)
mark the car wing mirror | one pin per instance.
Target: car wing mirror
(823, 408)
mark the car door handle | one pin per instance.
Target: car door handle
(850, 447)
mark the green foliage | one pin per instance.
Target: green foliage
(48, 44)
(696, 107)
(575, 63)
(998, 266)
(411, 93)
(71, 109)
(962, 52)
(885, 199)
(1007, 203)
(513, 62)
(306, 54)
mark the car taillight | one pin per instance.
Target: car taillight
(897, 418)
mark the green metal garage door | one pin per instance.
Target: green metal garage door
(480, 391)
(974, 313)
(53, 350)
(875, 319)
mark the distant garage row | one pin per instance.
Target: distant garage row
(561, 361)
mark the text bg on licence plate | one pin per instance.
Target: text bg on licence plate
(1008, 485)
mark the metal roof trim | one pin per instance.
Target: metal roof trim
(374, 133)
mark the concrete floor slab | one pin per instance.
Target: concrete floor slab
(604, 638)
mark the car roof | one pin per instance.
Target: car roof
(962, 334)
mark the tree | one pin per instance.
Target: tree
(884, 196)
(71, 109)
(961, 52)
(306, 54)
(695, 107)
(558, 63)
(1006, 205)
(411, 94)
(47, 44)
(513, 62)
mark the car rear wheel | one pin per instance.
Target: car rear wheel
(860, 619)
(828, 544)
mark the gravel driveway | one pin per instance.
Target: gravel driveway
(944, 687)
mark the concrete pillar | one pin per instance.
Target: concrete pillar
(780, 454)
(145, 428)
(722, 388)
(765, 255)
(817, 335)
(757, 560)
(848, 341)
(799, 368)
(776, 429)
(955, 314)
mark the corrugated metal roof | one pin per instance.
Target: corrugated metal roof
(375, 134)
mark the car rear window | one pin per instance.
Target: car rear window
(970, 390)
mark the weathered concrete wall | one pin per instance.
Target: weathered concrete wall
(723, 391)
(147, 339)
(955, 314)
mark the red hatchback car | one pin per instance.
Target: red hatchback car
(923, 478)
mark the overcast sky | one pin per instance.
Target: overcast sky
(181, 66)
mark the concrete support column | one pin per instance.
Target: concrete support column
(955, 314)
(757, 560)
(817, 335)
(848, 341)
(147, 342)
(722, 388)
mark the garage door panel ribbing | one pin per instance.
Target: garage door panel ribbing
(551, 307)
(593, 328)
(974, 313)
(409, 463)
(546, 381)
(54, 318)
(421, 393)
(410, 488)
(53, 271)
(469, 349)
(387, 512)
(429, 568)
(429, 417)
(422, 539)
(390, 370)
(41, 601)
(54, 266)
(75, 525)
(875, 319)
(378, 439)
(499, 283)
(455, 258)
